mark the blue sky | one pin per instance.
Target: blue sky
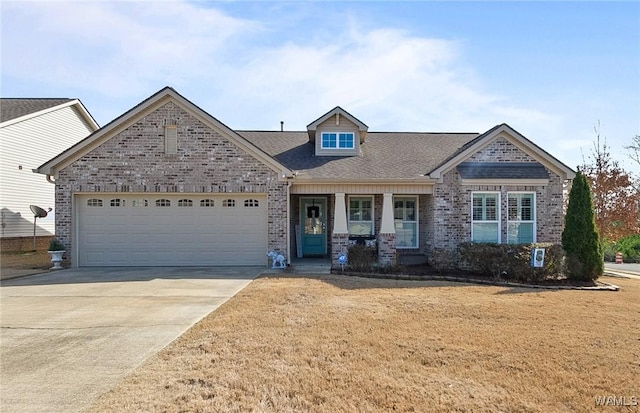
(551, 70)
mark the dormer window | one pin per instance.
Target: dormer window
(337, 133)
(337, 140)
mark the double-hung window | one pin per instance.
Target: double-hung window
(521, 225)
(485, 217)
(406, 222)
(337, 140)
(361, 216)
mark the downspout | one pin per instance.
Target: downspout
(288, 223)
(50, 180)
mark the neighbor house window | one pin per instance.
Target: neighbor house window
(521, 225)
(337, 140)
(206, 203)
(185, 203)
(229, 203)
(94, 202)
(251, 202)
(117, 202)
(163, 203)
(485, 217)
(361, 216)
(406, 222)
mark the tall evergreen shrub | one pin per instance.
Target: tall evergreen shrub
(580, 239)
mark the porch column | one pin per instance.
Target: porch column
(387, 226)
(387, 237)
(340, 232)
(340, 215)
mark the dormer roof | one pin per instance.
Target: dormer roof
(337, 112)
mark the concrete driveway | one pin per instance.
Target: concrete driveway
(69, 336)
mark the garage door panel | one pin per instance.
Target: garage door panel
(171, 236)
(139, 256)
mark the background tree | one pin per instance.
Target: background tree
(634, 154)
(634, 149)
(615, 197)
(580, 238)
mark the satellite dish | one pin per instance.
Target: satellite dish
(37, 211)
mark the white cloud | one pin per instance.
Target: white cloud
(389, 78)
(115, 48)
(386, 77)
(251, 75)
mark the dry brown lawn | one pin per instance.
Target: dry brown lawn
(338, 343)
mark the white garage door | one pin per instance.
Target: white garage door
(171, 230)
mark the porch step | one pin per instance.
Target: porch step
(311, 268)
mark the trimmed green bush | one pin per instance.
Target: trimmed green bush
(56, 245)
(362, 258)
(512, 261)
(580, 239)
(629, 247)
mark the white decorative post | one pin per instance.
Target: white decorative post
(340, 215)
(340, 232)
(387, 226)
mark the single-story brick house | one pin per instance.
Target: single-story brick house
(168, 184)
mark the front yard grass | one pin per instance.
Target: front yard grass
(338, 343)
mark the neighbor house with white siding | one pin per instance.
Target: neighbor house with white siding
(31, 132)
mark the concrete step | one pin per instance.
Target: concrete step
(311, 268)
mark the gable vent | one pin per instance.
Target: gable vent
(171, 139)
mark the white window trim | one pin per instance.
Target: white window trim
(417, 221)
(373, 216)
(535, 214)
(337, 147)
(499, 212)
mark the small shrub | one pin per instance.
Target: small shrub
(361, 258)
(512, 262)
(443, 259)
(56, 245)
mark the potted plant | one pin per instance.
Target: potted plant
(56, 250)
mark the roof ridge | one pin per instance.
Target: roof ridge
(38, 98)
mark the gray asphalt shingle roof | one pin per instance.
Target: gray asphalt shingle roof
(384, 155)
(12, 108)
(502, 170)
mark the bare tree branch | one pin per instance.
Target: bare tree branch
(634, 149)
(615, 198)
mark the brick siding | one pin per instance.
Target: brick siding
(451, 223)
(134, 161)
(23, 244)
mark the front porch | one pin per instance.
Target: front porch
(325, 225)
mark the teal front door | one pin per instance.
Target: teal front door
(313, 222)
